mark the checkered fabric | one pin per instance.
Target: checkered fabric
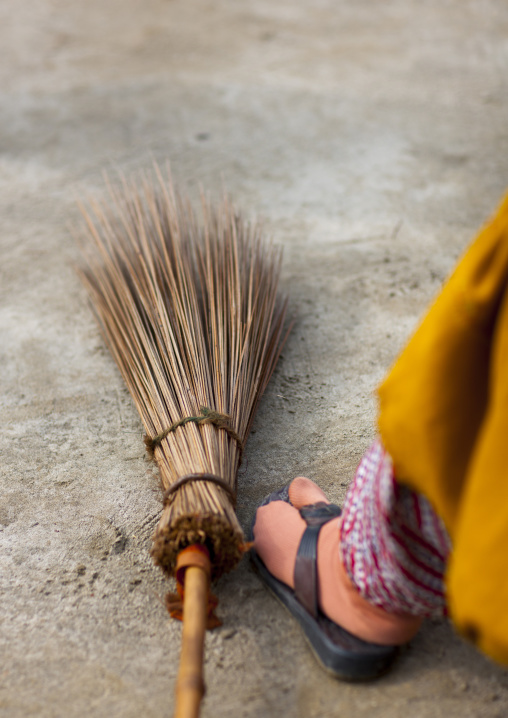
(394, 546)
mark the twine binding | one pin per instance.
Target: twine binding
(168, 494)
(207, 416)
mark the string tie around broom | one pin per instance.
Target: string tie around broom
(207, 416)
(168, 495)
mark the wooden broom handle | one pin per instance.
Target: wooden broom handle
(190, 686)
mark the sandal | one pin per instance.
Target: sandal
(341, 654)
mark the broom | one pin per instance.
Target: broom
(191, 314)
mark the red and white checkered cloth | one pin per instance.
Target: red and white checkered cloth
(394, 546)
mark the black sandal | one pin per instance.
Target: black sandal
(340, 653)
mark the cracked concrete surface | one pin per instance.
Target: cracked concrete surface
(372, 140)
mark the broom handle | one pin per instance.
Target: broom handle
(190, 686)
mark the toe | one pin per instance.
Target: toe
(303, 491)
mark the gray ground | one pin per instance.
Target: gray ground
(371, 137)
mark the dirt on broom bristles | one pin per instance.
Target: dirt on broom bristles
(190, 310)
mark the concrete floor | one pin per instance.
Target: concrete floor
(372, 140)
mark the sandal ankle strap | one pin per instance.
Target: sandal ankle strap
(305, 573)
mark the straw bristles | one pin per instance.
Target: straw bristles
(192, 316)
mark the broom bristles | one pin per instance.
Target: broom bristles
(192, 316)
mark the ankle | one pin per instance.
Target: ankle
(341, 602)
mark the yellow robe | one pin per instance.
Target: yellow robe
(443, 417)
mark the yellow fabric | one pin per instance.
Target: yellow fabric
(444, 420)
